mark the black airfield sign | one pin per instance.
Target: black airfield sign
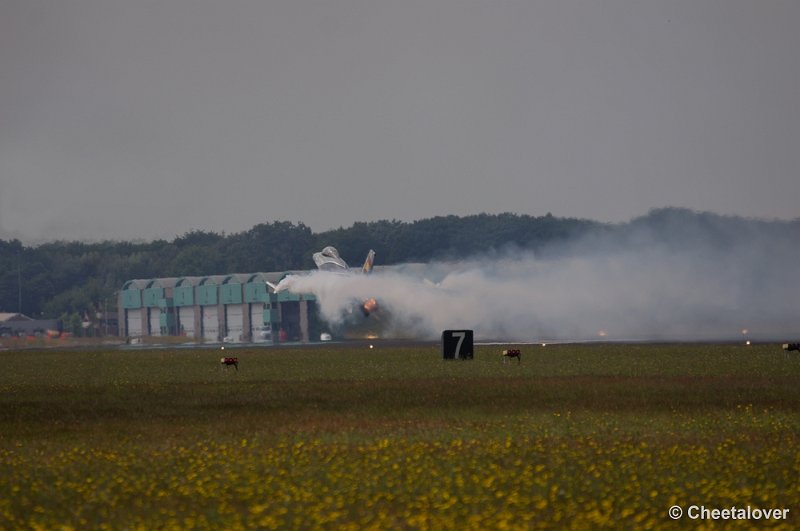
(457, 344)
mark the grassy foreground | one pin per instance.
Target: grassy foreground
(579, 436)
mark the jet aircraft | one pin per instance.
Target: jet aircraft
(329, 260)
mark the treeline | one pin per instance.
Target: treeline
(68, 277)
(64, 279)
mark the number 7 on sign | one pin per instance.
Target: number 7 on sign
(457, 344)
(460, 336)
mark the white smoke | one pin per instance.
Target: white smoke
(671, 284)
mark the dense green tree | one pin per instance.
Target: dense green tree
(71, 322)
(10, 274)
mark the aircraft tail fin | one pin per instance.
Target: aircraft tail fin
(367, 267)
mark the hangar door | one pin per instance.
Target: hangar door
(210, 323)
(134, 322)
(155, 321)
(186, 320)
(259, 332)
(234, 322)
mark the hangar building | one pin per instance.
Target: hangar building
(219, 308)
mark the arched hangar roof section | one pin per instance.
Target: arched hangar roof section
(256, 277)
(186, 281)
(161, 282)
(239, 278)
(216, 280)
(134, 284)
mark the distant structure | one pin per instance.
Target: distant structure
(17, 324)
(214, 309)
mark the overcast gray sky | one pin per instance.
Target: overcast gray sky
(136, 119)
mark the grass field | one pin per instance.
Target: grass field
(341, 436)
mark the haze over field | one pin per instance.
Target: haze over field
(684, 278)
(142, 120)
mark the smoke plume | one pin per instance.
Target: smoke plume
(672, 275)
